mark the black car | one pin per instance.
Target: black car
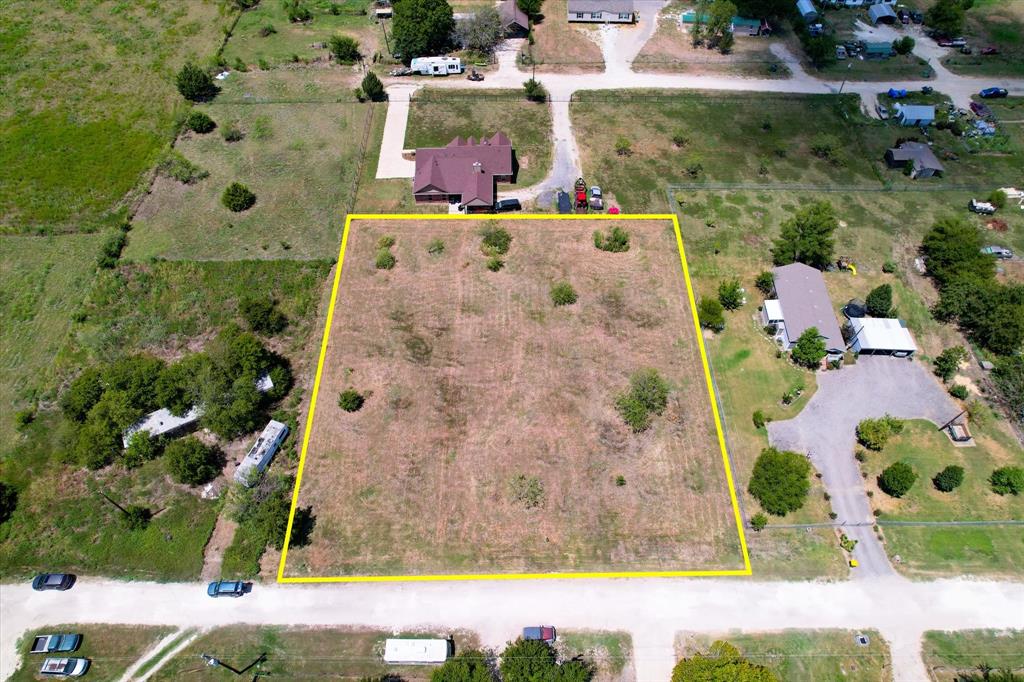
(53, 581)
(917, 17)
(505, 205)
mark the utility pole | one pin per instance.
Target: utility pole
(383, 27)
(845, 76)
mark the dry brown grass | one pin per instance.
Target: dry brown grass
(473, 378)
(564, 47)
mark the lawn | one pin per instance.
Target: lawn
(949, 654)
(997, 24)
(561, 46)
(42, 283)
(384, 196)
(303, 41)
(459, 460)
(438, 116)
(928, 553)
(610, 652)
(300, 653)
(896, 68)
(301, 161)
(805, 654)
(111, 649)
(89, 99)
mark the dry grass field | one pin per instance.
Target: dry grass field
(489, 440)
(564, 47)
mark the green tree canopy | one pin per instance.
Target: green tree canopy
(195, 84)
(730, 294)
(421, 28)
(482, 31)
(192, 462)
(530, 7)
(897, 479)
(879, 301)
(711, 314)
(722, 663)
(875, 433)
(1008, 376)
(952, 249)
(467, 666)
(344, 49)
(807, 237)
(948, 361)
(780, 481)
(949, 479)
(809, 348)
(946, 17)
(1007, 481)
(373, 88)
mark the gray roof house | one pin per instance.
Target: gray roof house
(513, 20)
(801, 302)
(919, 156)
(915, 114)
(881, 14)
(602, 11)
(806, 10)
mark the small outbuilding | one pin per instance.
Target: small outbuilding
(914, 114)
(878, 50)
(881, 336)
(918, 156)
(514, 21)
(806, 10)
(881, 14)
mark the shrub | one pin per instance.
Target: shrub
(758, 522)
(948, 362)
(534, 91)
(296, 11)
(1007, 481)
(680, 139)
(711, 314)
(875, 433)
(267, 30)
(730, 294)
(809, 349)
(496, 240)
(949, 479)
(23, 418)
(897, 479)
(879, 301)
(199, 122)
(494, 264)
(623, 147)
(825, 145)
(765, 283)
(562, 293)
(141, 448)
(385, 260)
(385, 242)
(175, 166)
(372, 88)
(958, 391)
(468, 666)
(195, 84)
(262, 315)
(350, 400)
(759, 419)
(8, 501)
(722, 662)
(647, 395)
(528, 491)
(780, 481)
(231, 132)
(83, 393)
(111, 250)
(238, 198)
(136, 517)
(435, 247)
(617, 241)
(191, 462)
(889, 266)
(344, 49)
(904, 45)
(620, 480)
(997, 198)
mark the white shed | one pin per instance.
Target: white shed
(881, 336)
(416, 651)
(260, 454)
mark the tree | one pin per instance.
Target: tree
(765, 283)
(97, 444)
(527, 660)
(237, 197)
(350, 400)
(758, 522)
(530, 7)
(136, 517)
(879, 301)
(84, 392)
(764, 8)
(820, 49)
(897, 479)
(617, 241)
(535, 92)
(199, 122)
(904, 45)
(946, 17)
(194, 84)
(875, 433)
(952, 249)
(262, 315)
(191, 462)
(344, 49)
(948, 362)
(807, 237)
(730, 294)
(482, 31)
(711, 314)
(809, 349)
(142, 448)
(647, 395)
(373, 88)
(421, 28)
(467, 666)
(1007, 481)
(562, 293)
(8, 500)
(719, 22)
(780, 481)
(1008, 376)
(949, 479)
(722, 663)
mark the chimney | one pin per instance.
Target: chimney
(478, 167)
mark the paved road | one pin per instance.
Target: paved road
(652, 610)
(825, 428)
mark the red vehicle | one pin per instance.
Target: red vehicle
(544, 633)
(989, 50)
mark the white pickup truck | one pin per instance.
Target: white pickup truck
(64, 667)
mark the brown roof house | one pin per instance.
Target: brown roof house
(916, 156)
(801, 302)
(465, 172)
(514, 21)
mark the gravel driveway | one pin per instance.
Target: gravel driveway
(825, 429)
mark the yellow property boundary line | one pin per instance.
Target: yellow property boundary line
(745, 571)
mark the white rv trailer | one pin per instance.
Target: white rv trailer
(436, 66)
(417, 651)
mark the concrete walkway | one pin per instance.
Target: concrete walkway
(825, 429)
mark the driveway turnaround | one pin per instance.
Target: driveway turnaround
(825, 430)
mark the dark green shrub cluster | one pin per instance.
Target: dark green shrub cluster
(231, 132)
(495, 241)
(350, 400)
(141, 448)
(949, 479)
(879, 301)
(199, 122)
(344, 49)
(730, 294)
(238, 198)
(721, 663)
(261, 315)
(758, 522)
(647, 395)
(616, 241)
(8, 501)
(562, 293)
(1007, 481)
(780, 481)
(195, 84)
(385, 260)
(192, 462)
(760, 419)
(765, 283)
(372, 88)
(875, 433)
(711, 314)
(494, 264)
(948, 362)
(958, 391)
(897, 479)
(297, 11)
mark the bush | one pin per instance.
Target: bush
(173, 165)
(730, 294)
(267, 30)
(759, 419)
(997, 198)
(385, 260)
(534, 91)
(780, 481)
(562, 293)
(617, 241)
(136, 517)
(496, 241)
(949, 479)
(141, 449)
(680, 139)
(84, 392)
(722, 663)
(758, 522)
(435, 247)
(238, 198)
(231, 132)
(647, 395)
(296, 11)
(948, 362)
(897, 479)
(889, 267)
(385, 242)
(879, 301)
(8, 501)
(711, 314)
(1007, 481)
(494, 264)
(194, 84)
(875, 433)
(372, 88)
(623, 147)
(191, 462)
(765, 283)
(468, 666)
(344, 49)
(958, 391)
(809, 349)
(111, 250)
(350, 400)
(199, 122)
(904, 45)
(261, 315)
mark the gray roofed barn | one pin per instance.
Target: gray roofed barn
(881, 14)
(922, 160)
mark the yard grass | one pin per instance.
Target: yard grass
(999, 24)
(111, 649)
(561, 46)
(459, 460)
(300, 653)
(291, 41)
(301, 161)
(438, 116)
(610, 652)
(89, 99)
(42, 282)
(299, 85)
(384, 196)
(928, 552)
(804, 654)
(896, 68)
(950, 654)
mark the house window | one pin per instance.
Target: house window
(595, 15)
(625, 16)
(579, 15)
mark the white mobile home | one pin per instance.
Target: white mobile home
(162, 423)
(436, 66)
(417, 651)
(801, 302)
(260, 454)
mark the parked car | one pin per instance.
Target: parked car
(882, 111)
(903, 15)
(927, 90)
(982, 207)
(951, 42)
(64, 667)
(1000, 252)
(980, 110)
(993, 93)
(53, 581)
(917, 17)
(226, 588)
(544, 633)
(989, 50)
(505, 205)
(48, 644)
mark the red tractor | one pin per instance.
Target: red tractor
(580, 196)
